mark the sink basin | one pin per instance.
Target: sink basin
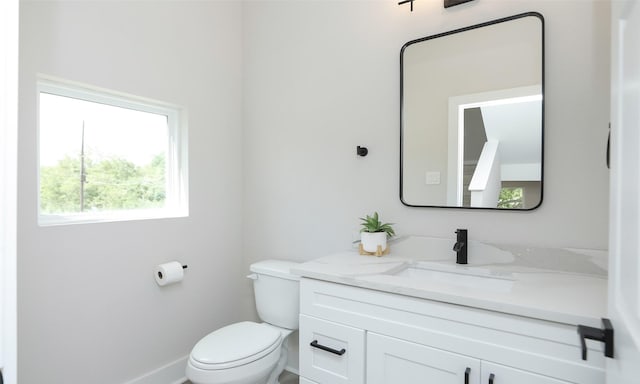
(440, 249)
(475, 278)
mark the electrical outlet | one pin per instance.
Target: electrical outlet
(432, 178)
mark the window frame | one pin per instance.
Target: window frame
(177, 195)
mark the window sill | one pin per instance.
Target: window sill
(48, 220)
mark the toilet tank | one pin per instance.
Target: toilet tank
(277, 292)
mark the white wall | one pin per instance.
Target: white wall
(89, 309)
(322, 77)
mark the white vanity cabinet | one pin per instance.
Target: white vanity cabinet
(391, 339)
(391, 361)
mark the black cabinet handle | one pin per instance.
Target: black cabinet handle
(491, 377)
(466, 375)
(604, 335)
(315, 344)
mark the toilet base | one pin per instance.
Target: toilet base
(284, 355)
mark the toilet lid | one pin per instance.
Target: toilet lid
(236, 344)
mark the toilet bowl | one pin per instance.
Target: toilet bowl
(248, 352)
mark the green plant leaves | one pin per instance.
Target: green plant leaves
(373, 224)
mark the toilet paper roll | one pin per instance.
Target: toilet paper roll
(169, 273)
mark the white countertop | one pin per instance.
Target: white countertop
(562, 285)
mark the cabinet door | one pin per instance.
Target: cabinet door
(331, 353)
(500, 374)
(395, 361)
(306, 381)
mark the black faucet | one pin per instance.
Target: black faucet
(461, 246)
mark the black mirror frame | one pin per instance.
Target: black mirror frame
(476, 26)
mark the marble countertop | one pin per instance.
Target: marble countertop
(562, 285)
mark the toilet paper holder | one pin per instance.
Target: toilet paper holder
(169, 273)
(160, 272)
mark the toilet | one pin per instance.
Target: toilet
(248, 352)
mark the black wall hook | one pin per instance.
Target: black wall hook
(362, 151)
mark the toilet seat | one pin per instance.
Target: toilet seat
(235, 345)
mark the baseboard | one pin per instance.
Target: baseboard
(172, 373)
(292, 370)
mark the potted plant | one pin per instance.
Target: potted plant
(374, 234)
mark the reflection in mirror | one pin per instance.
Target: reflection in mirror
(472, 116)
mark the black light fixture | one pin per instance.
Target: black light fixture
(451, 3)
(407, 1)
(447, 3)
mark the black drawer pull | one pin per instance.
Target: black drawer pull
(466, 375)
(491, 377)
(315, 344)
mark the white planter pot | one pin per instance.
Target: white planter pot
(370, 241)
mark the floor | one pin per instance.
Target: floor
(285, 378)
(289, 378)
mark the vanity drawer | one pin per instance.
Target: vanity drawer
(331, 353)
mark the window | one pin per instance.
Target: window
(104, 156)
